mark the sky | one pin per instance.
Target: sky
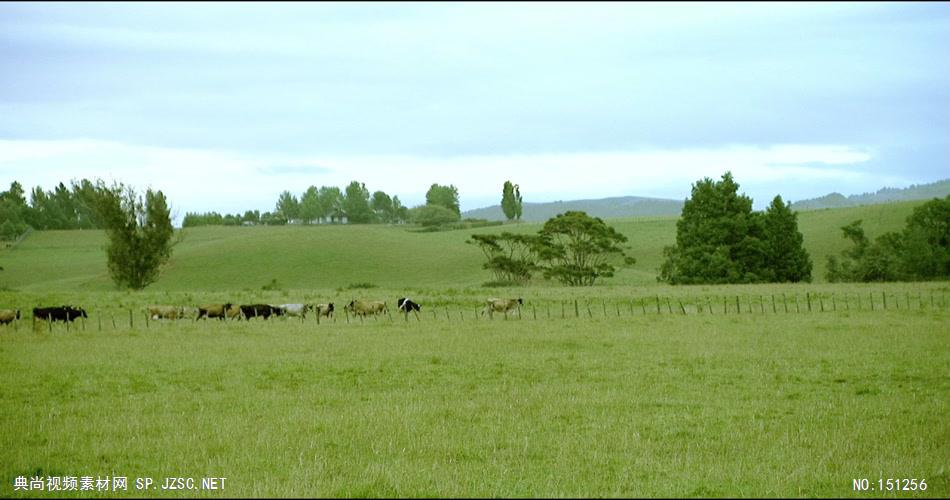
(222, 106)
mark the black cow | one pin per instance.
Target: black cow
(59, 313)
(406, 305)
(260, 310)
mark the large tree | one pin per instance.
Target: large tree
(719, 239)
(288, 206)
(577, 249)
(310, 209)
(784, 244)
(444, 196)
(356, 204)
(331, 202)
(140, 233)
(382, 206)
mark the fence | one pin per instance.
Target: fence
(775, 304)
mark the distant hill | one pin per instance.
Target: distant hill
(624, 206)
(937, 189)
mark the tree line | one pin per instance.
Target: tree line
(920, 251)
(353, 204)
(60, 208)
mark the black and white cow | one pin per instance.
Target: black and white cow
(405, 305)
(59, 313)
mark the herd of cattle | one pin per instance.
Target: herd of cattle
(248, 311)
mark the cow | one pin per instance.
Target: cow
(188, 312)
(8, 316)
(494, 305)
(260, 310)
(364, 307)
(324, 310)
(296, 309)
(59, 313)
(220, 311)
(405, 305)
(165, 312)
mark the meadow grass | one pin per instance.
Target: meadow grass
(334, 256)
(640, 404)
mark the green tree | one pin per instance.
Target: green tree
(288, 206)
(518, 204)
(508, 201)
(926, 240)
(577, 249)
(718, 238)
(865, 260)
(444, 196)
(511, 258)
(331, 203)
(788, 261)
(310, 209)
(140, 233)
(14, 212)
(356, 204)
(432, 215)
(382, 206)
(400, 212)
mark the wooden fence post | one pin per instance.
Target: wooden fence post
(658, 304)
(808, 297)
(738, 307)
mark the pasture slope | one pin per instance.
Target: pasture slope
(330, 257)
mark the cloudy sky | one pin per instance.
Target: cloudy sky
(223, 106)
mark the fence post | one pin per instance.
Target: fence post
(130, 319)
(668, 306)
(708, 305)
(884, 297)
(798, 308)
(603, 304)
(534, 313)
(681, 306)
(871, 299)
(738, 307)
(658, 304)
(821, 302)
(577, 314)
(808, 298)
(785, 302)
(773, 304)
(725, 310)
(589, 314)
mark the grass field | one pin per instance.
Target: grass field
(626, 389)
(635, 404)
(318, 257)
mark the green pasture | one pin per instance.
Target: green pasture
(319, 257)
(617, 400)
(626, 389)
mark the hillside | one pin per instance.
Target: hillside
(937, 189)
(331, 257)
(625, 206)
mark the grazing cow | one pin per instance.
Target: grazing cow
(296, 309)
(260, 310)
(59, 313)
(165, 312)
(494, 305)
(220, 311)
(405, 305)
(188, 312)
(364, 307)
(9, 315)
(325, 310)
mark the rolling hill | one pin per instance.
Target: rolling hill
(333, 257)
(624, 206)
(937, 189)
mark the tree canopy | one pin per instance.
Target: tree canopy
(719, 239)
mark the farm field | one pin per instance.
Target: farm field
(321, 257)
(626, 389)
(623, 398)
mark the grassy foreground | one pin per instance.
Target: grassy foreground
(657, 405)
